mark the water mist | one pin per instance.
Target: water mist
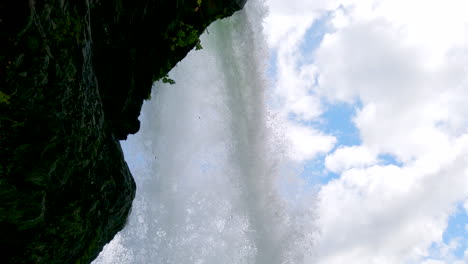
(207, 161)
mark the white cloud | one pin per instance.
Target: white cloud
(305, 143)
(293, 88)
(349, 157)
(367, 61)
(433, 261)
(289, 17)
(282, 27)
(405, 62)
(388, 214)
(300, 7)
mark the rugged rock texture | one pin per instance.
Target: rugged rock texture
(152, 34)
(73, 77)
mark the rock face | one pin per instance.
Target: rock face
(73, 78)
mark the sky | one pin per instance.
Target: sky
(374, 96)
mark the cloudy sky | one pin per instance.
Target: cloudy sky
(375, 94)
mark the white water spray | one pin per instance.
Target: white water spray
(206, 162)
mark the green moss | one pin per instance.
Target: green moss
(198, 45)
(168, 80)
(67, 29)
(4, 98)
(165, 79)
(185, 36)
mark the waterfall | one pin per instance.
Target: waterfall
(207, 161)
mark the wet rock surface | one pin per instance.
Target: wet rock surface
(73, 78)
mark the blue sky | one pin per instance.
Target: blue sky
(379, 83)
(457, 229)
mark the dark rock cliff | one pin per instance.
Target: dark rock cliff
(73, 77)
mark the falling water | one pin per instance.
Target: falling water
(207, 161)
